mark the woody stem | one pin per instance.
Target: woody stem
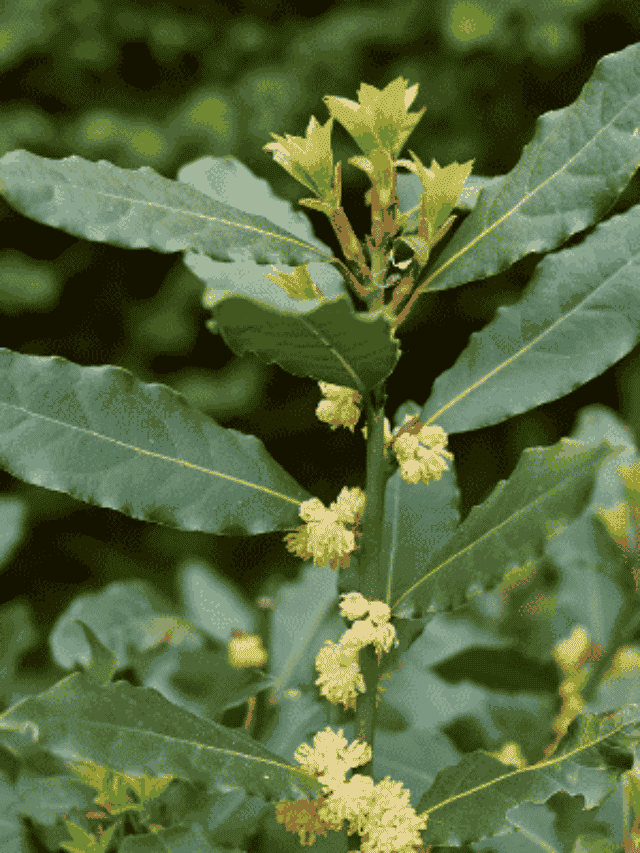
(372, 577)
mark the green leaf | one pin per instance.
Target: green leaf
(103, 661)
(140, 209)
(125, 617)
(472, 188)
(136, 732)
(162, 649)
(104, 437)
(299, 612)
(418, 520)
(469, 802)
(510, 527)
(226, 180)
(324, 338)
(580, 159)
(83, 842)
(579, 314)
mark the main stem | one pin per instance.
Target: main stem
(372, 576)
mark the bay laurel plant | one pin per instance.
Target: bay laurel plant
(398, 552)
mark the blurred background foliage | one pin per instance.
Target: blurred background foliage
(160, 84)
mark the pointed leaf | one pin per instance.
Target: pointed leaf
(324, 338)
(579, 314)
(103, 661)
(308, 159)
(381, 119)
(472, 188)
(577, 164)
(134, 731)
(140, 209)
(226, 180)
(469, 802)
(409, 192)
(418, 520)
(441, 188)
(548, 484)
(122, 617)
(104, 437)
(84, 842)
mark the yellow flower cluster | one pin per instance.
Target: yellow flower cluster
(422, 456)
(420, 449)
(375, 629)
(340, 676)
(338, 663)
(341, 406)
(380, 813)
(331, 757)
(325, 536)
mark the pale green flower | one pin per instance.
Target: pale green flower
(340, 676)
(341, 406)
(379, 612)
(381, 119)
(349, 505)
(325, 537)
(419, 463)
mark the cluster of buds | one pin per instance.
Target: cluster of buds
(380, 814)
(338, 663)
(373, 628)
(380, 124)
(340, 408)
(419, 449)
(327, 535)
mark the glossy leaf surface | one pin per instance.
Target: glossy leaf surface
(135, 731)
(104, 437)
(579, 160)
(579, 314)
(325, 339)
(140, 209)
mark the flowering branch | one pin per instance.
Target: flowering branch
(349, 671)
(372, 578)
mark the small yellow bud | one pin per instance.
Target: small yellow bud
(246, 650)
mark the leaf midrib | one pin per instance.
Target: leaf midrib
(143, 452)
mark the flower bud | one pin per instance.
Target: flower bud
(246, 650)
